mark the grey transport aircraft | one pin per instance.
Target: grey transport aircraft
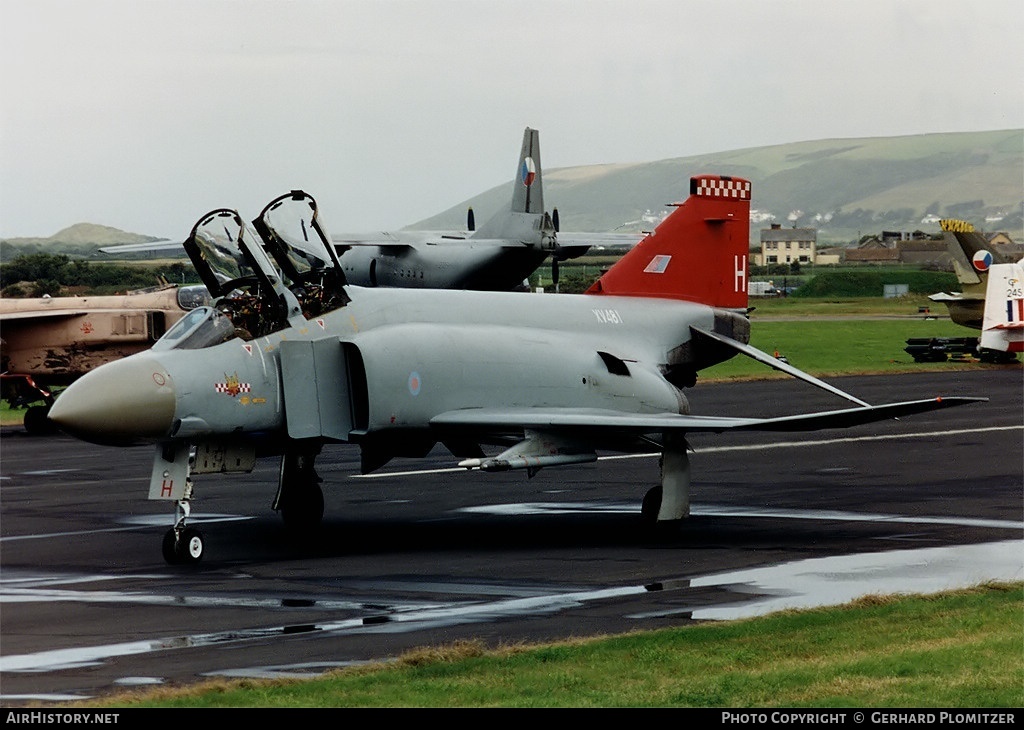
(291, 358)
(498, 256)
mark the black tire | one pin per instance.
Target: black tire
(651, 505)
(169, 547)
(37, 421)
(303, 511)
(301, 501)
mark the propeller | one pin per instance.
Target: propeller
(552, 221)
(470, 220)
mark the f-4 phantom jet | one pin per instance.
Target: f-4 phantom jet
(291, 358)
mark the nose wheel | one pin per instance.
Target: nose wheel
(184, 548)
(183, 545)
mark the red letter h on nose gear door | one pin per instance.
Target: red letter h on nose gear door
(170, 471)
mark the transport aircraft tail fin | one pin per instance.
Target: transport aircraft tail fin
(523, 219)
(698, 253)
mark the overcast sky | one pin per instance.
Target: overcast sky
(145, 114)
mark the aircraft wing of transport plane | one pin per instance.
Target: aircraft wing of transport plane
(291, 359)
(497, 256)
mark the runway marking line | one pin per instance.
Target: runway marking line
(719, 449)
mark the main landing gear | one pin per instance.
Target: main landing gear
(20, 390)
(37, 421)
(183, 545)
(300, 500)
(666, 504)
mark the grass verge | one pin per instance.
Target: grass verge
(841, 346)
(960, 649)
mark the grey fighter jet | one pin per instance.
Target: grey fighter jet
(290, 358)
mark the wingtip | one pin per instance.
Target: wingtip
(959, 400)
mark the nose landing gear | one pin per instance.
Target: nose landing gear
(183, 545)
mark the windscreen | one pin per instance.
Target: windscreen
(190, 297)
(202, 327)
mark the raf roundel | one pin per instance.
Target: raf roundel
(982, 261)
(528, 171)
(414, 383)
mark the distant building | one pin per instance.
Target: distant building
(919, 249)
(787, 246)
(874, 251)
(830, 256)
(924, 252)
(800, 245)
(1003, 243)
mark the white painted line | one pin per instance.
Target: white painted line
(748, 447)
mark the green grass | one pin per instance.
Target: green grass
(960, 649)
(11, 416)
(904, 306)
(16, 416)
(832, 347)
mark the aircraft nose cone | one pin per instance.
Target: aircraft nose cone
(121, 402)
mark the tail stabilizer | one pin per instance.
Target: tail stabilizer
(1003, 326)
(774, 362)
(698, 253)
(523, 219)
(971, 252)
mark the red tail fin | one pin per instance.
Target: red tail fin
(698, 253)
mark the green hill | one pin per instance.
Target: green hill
(85, 234)
(843, 187)
(79, 240)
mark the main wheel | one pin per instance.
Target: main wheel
(301, 501)
(651, 505)
(303, 511)
(37, 421)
